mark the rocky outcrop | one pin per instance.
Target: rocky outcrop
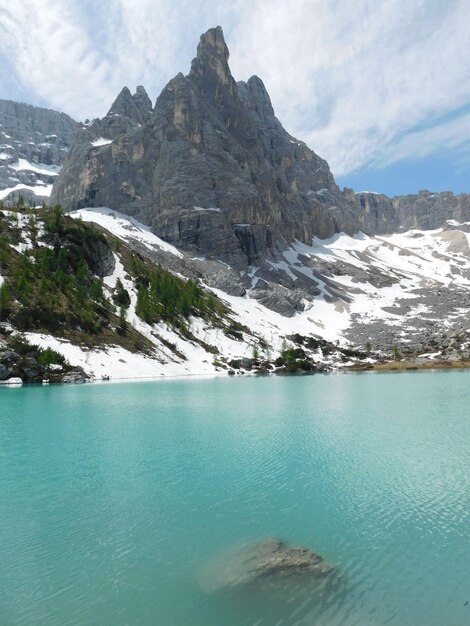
(5, 371)
(136, 109)
(75, 376)
(379, 214)
(268, 563)
(211, 169)
(29, 365)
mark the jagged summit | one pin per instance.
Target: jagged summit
(137, 107)
(256, 97)
(212, 46)
(212, 169)
(211, 62)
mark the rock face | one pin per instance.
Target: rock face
(37, 136)
(267, 563)
(381, 215)
(210, 169)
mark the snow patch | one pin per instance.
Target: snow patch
(38, 190)
(124, 227)
(101, 141)
(38, 168)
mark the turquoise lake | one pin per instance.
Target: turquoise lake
(115, 497)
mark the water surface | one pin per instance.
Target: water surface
(114, 497)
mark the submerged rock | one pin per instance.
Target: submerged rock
(267, 563)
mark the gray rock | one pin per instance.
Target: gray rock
(101, 259)
(137, 108)
(75, 376)
(5, 371)
(30, 368)
(267, 563)
(283, 300)
(379, 214)
(9, 357)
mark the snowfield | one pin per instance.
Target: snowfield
(37, 168)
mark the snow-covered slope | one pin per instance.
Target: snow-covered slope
(407, 290)
(375, 295)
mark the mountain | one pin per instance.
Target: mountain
(205, 195)
(211, 169)
(33, 145)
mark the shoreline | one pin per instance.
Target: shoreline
(404, 366)
(388, 366)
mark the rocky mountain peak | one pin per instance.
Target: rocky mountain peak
(143, 102)
(211, 62)
(137, 107)
(256, 97)
(212, 170)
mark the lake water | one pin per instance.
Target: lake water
(114, 498)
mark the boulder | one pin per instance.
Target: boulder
(31, 370)
(5, 371)
(9, 357)
(271, 562)
(75, 376)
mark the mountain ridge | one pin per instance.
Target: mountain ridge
(211, 169)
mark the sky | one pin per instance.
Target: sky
(379, 88)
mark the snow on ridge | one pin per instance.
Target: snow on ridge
(38, 190)
(38, 168)
(124, 227)
(101, 141)
(119, 363)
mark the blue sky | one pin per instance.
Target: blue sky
(380, 88)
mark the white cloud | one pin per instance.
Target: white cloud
(351, 77)
(447, 136)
